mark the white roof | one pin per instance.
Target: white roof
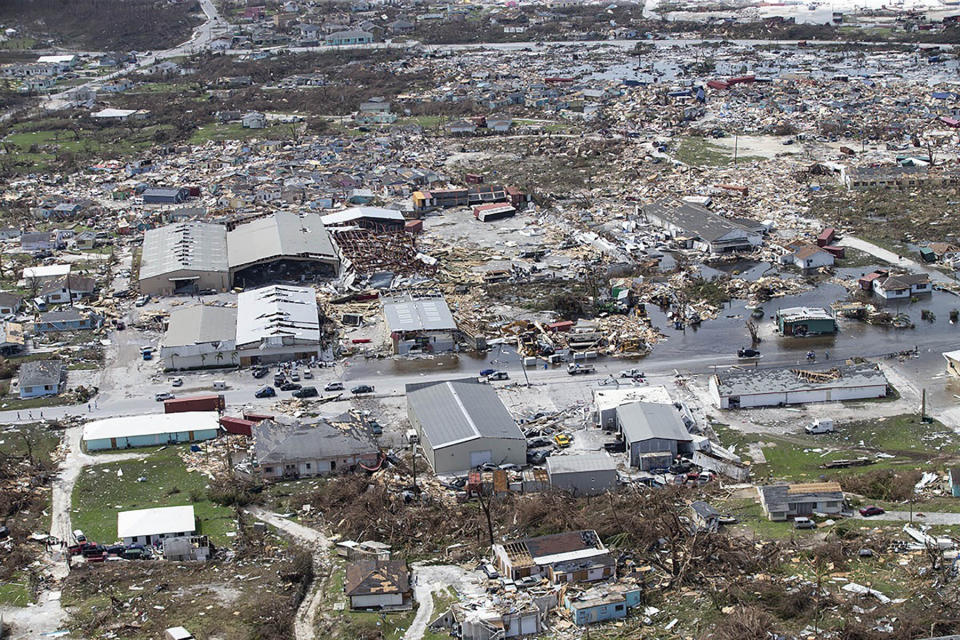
(113, 113)
(47, 271)
(150, 424)
(952, 355)
(150, 522)
(613, 398)
(61, 59)
(278, 314)
(355, 213)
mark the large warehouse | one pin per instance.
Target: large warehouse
(150, 430)
(277, 323)
(200, 336)
(280, 246)
(183, 258)
(462, 424)
(773, 387)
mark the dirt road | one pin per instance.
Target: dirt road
(304, 623)
(430, 578)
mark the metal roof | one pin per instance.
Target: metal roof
(150, 522)
(751, 381)
(646, 420)
(276, 443)
(578, 463)
(409, 313)
(35, 373)
(283, 234)
(150, 424)
(357, 213)
(795, 314)
(185, 246)
(278, 314)
(456, 411)
(200, 324)
(695, 219)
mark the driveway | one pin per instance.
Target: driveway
(889, 256)
(904, 516)
(430, 578)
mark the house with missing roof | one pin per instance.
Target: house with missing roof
(785, 501)
(420, 323)
(378, 584)
(745, 388)
(462, 424)
(284, 450)
(654, 433)
(573, 556)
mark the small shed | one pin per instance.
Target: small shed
(927, 254)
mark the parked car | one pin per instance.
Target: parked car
(279, 379)
(160, 397)
(306, 392)
(491, 571)
(308, 374)
(486, 372)
(375, 428)
(498, 375)
(872, 510)
(290, 386)
(801, 522)
(580, 369)
(260, 372)
(333, 386)
(176, 382)
(632, 373)
(562, 440)
(265, 392)
(538, 442)
(295, 376)
(141, 301)
(362, 388)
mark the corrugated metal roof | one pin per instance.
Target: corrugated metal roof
(278, 312)
(189, 246)
(145, 425)
(281, 234)
(645, 420)
(406, 313)
(457, 411)
(200, 324)
(578, 463)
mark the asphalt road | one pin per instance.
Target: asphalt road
(904, 516)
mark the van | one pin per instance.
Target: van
(78, 536)
(219, 384)
(801, 522)
(820, 425)
(412, 436)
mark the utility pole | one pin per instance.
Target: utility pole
(736, 145)
(923, 405)
(413, 448)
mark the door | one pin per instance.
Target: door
(478, 458)
(190, 435)
(113, 443)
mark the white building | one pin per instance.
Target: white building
(200, 336)
(146, 526)
(773, 387)
(420, 324)
(905, 286)
(277, 323)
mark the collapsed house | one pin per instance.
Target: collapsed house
(498, 617)
(696, 227)
(573, 556)
(745, 388)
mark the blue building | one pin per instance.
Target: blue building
(954, 475)
(151, 430)
(607, 602)
(341, 38)
(40, 378)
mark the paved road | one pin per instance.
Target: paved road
(889, 256)
(904, 516)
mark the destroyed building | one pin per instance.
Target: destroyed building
(696, 227)
(772, 387)
(277, 323)
(378, 584)
(292, 449)
(573, 556)
(184, 258)
(419, 323)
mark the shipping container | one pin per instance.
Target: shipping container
(237, 426)
(211, 402)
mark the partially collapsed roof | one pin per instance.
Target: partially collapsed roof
(377, 577)
(185, 246)
(275, 443)
(281, 235)
(278, 315)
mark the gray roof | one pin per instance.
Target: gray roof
(275, 443)
(189, 246)
(885, 172)
(200, 324)
(37, 373)
(281, 234)
(581, 462)
(161, 192)
(777, 498)
(703, 509)
(62, 315)
(407, 313)
(693, 219)
(456, 411)
(747, 382)
(641, 421)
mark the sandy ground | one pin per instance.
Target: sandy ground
(761, 146)
(430, 578)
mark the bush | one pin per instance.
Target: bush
(884, 484)
(229, 491)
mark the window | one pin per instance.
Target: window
(268, 469)
(618, 607)
(308, 466)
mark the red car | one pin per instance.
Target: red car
(871, 511)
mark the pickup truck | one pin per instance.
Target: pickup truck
(580, 369)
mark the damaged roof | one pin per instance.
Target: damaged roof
(185, 246)
(377, 577)
(747, 382)
(283, 234)
(276, 443)
(641, 421)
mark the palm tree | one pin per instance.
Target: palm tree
(219, 357)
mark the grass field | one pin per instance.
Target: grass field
(15, 591)
(349, 624)
(700, 152)
(100, 493)
(17, 440)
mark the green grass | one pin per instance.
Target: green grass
(100, 493)
(16, 441)
(16, 591)
(236, 131)
(356, 624)
(700, 152)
